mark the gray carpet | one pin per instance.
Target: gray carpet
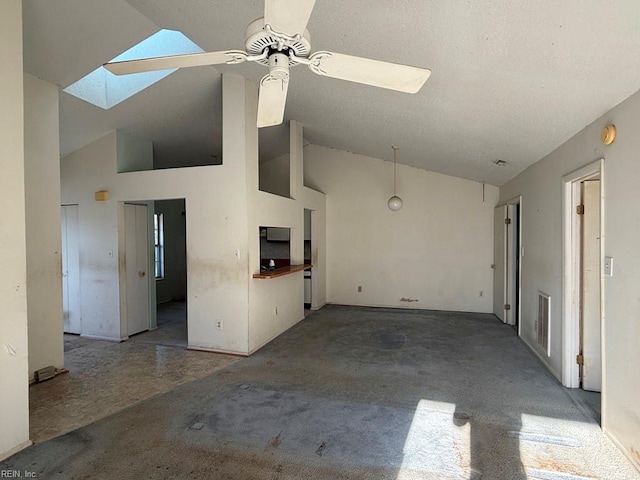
(353, 393)
(172, 326)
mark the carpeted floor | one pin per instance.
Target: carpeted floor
(358, 393)
(172, 326)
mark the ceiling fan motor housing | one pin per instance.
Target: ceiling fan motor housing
(258, 39)
(279, 65)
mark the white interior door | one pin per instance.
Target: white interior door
(137, 266)
(499, 262)
(512, 255)
(590, 292)
(70, 270)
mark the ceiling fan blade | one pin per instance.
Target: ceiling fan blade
(393, 76)
(288, 16)
(271, 101)
(176, 61)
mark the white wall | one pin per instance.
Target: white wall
(134, 154)
(14, 401)
(174, 284)
(541, 189)
(44, 244)
(224, 210)
(216, 230)
(277, 304)
(83, 173)
(438, 249)
(284, 293)
(274, 176)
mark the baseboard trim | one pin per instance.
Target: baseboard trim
(105, 339)
(217, 350)
(620, 447)
(411, 306)
(255, 349)
(542, 359)
(14, 450)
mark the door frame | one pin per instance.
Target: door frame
(508, 261)
(571, 273)
(311, 245)
(501, 212)
(514, 258)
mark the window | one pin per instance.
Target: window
(158, 235)
(105, 90)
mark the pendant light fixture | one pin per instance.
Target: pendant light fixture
(395, 202)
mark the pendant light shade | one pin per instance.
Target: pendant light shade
(395, 202)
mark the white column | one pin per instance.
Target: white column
(14, 401)
(44, 246)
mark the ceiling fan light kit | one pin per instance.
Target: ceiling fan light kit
(280, 40)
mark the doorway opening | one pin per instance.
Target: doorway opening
(307, 260)
(508, 262)
(583, 282)
(167, 257)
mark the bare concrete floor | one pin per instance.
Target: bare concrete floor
(356, 393)
(106, 377)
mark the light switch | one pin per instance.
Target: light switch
(608, 266)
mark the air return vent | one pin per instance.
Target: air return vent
(544, 318)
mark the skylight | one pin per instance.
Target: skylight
(105, 90)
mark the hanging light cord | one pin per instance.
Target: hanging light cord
(394, 168)
(395, 202)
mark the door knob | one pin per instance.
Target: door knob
(142, 274)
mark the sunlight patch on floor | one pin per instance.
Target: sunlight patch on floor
(437, 443)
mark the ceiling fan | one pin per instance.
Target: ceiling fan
(280, 40)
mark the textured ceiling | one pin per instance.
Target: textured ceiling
(511, 79)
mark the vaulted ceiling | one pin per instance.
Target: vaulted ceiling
(511, 80)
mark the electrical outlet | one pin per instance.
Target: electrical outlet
(219, 324)
(359, 288)
(608, 266)
(481, 293)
